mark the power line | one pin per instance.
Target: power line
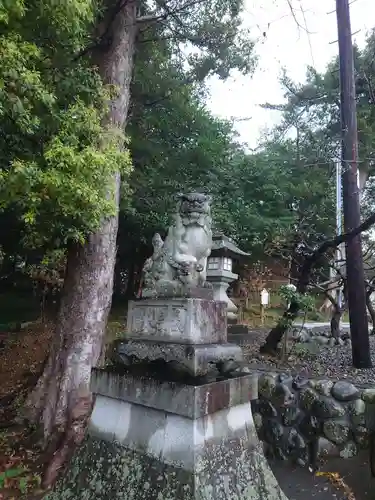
(298, 13)
(355, 32)
(334, 10)
(330, 159)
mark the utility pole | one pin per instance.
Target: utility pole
(339, 250)
(354, 261)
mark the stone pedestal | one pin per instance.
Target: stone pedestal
(180, 320)
(187, 334)
(238, 334)
(220, 280)
(157, 440)
(193, 360)
(152, 438)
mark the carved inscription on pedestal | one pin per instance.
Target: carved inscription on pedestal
(157, 321)
(189, 321)
(178, 319)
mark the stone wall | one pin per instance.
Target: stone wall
(299, 419)
(321, 335)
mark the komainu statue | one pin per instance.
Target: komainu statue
(179, 263)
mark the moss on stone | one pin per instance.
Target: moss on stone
(227, 471)
(267, 385)
(368, 396)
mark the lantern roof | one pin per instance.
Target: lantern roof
(223, 245)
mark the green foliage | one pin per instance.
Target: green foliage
(311, 121)
(49, 272)
(10, 474)
(57, 161)
(11, 8)
(314, 107)
(303, 301)
(18, 475)
(212, 35)
(72, 179)
(177, 145)
(278, 198)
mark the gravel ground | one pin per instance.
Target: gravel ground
(309, 359)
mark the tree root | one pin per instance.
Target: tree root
(67, 442)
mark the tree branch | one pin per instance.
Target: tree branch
(277, 333)
(345, 237)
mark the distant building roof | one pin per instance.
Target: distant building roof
(222, 245)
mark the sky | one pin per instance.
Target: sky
(285, 45)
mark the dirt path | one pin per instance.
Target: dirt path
(350, 480)
(22, 355)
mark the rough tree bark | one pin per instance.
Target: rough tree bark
(62, 401)
(276, 334)
(336, 317)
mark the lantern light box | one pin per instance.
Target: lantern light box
(219, 269)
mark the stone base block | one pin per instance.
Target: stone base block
(138, 453)
(184, 320)
(192, 360)
(238, 329)
(192, 401)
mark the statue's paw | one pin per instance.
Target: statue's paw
(207, 284)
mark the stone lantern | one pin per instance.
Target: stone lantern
(219, 270)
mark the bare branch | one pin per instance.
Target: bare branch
(277, 333)
(332, 300)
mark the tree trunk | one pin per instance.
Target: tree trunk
(138, 277)
(276, 334)
(335, 324)
(62, 401)
(134, 285)
(337, 312)
(335, 320)
(130, 286)
(294, 267)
